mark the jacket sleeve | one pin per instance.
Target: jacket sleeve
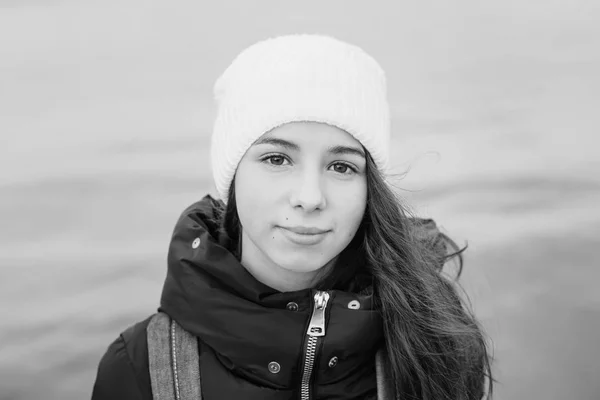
(116, 377)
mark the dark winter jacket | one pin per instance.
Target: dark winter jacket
(253, 338)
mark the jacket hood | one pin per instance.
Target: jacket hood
(248, 324)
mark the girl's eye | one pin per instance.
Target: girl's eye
(343, 168)
(274, 160)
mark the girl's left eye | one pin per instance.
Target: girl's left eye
(343, 168)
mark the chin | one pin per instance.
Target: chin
(300, 262)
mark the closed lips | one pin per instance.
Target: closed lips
(304, 230)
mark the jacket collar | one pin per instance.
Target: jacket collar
(210, 294)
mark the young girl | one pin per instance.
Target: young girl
(307, 279)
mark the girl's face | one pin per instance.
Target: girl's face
(301, 193)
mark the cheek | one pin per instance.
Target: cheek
(254, 198)
(248, 205)
(350, 210)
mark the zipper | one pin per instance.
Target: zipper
(316, 329)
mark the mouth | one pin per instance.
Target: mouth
(304, 236)
(305, 230)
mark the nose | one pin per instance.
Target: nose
(307, 192)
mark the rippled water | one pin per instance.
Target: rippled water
(105, 109)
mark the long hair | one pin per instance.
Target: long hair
(436, 349)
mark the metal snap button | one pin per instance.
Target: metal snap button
(354, 305)
(274, 367)
(333, 362)
(196, 243)
(292, 306)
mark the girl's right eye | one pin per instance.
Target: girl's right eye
(274, 159)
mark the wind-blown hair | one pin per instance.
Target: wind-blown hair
(436, 349)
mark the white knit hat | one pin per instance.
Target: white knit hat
(298, 78)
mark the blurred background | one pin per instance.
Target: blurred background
(105, 116)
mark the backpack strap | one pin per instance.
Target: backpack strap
(173, 360)
(385, 388)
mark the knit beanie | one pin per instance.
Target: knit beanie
(298, 78)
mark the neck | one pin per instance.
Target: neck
(281, 280)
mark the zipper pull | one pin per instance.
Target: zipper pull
(316, 327)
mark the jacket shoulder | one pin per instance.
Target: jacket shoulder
(123, 370)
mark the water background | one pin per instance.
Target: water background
(105, 114)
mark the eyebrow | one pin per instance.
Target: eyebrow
(337, 150)
(278, 142)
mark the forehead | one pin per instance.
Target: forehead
(311, 132)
